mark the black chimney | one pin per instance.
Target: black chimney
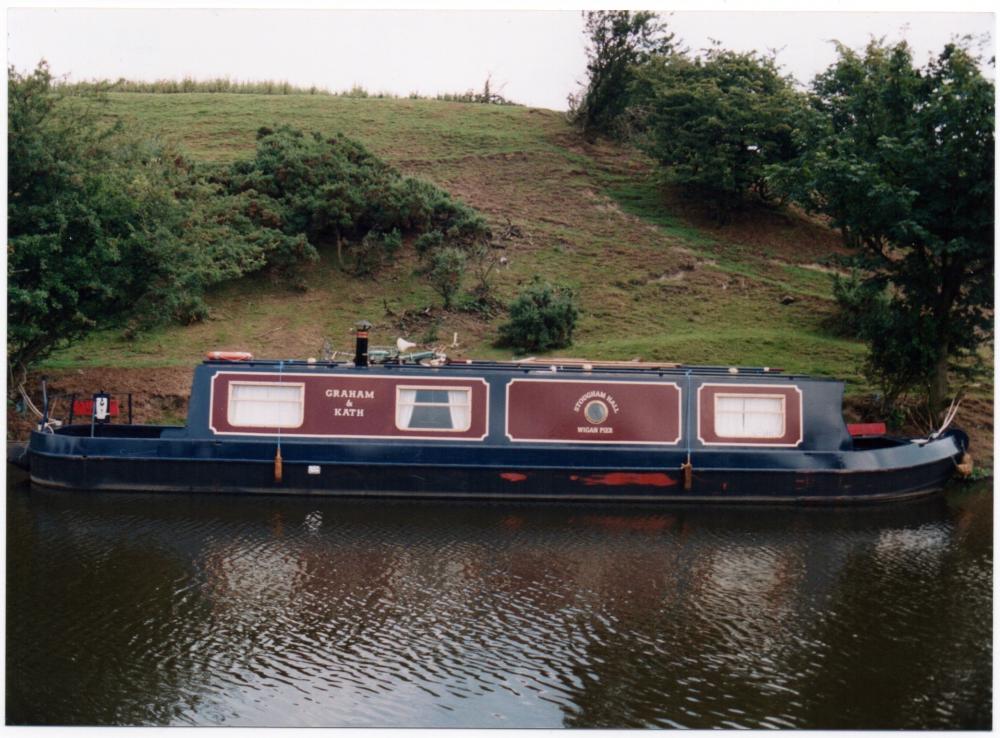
(361, 347)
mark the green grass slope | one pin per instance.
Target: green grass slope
(654, 282)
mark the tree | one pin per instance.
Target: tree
(484, 261)
(904, 166)
(542, 317)
(717, 122)
(374, 250)
(109, 228)
(90, 217)
(447, 271)
(619, 41)
(105, 227)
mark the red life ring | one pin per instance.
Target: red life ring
(229, 356)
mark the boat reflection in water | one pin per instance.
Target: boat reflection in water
(176, 609)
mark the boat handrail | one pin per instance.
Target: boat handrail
(561, 365)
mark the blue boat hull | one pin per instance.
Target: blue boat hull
(120, 462)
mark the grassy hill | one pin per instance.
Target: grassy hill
(650, 284)
(655, 279)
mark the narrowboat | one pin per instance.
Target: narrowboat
(396, 424)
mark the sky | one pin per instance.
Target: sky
(535, 57)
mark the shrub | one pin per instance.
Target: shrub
(899, 358)
(717, 123)
(427, 242)
(447, 271)
(107, 227)
(462, 224)
(620, 41)
(374, 250)
(861, 306)
(903, 163)
(334, 191)
(488, 96)
(483, 259)
(542, 317)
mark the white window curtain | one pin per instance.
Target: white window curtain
(749, 416)
(265, 405)
(458, 401)
(404, 407)
(429, 408)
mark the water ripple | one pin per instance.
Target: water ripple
(155, 610)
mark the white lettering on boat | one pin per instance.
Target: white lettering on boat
(599, 394)
(351, 394)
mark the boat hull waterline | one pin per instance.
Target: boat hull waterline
(114, 473)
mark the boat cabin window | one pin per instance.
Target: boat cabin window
(433, 408)
(749, 416)
(266, 404)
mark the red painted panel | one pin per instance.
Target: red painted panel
(706, 414)
(866, 429)
(553, 410)
(85, 408)
(346, 406)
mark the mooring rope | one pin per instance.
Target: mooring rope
(948, 417)
(24, 395)
(27, 401)
(50, 423)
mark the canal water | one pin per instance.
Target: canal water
(145, 609)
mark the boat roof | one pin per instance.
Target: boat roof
(534, 365)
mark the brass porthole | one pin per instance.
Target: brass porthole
(596, 412)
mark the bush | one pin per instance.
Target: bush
(903, 163)
(334, 191)
(717, 123)
(427, 242)
(374, 250)
(484, 260)
(542, 317)
(861, 306)
(106, 227)
(620, 41)
(488, 96)
(463, 225)
(898, 360)
(447, 271)
(900, 357)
